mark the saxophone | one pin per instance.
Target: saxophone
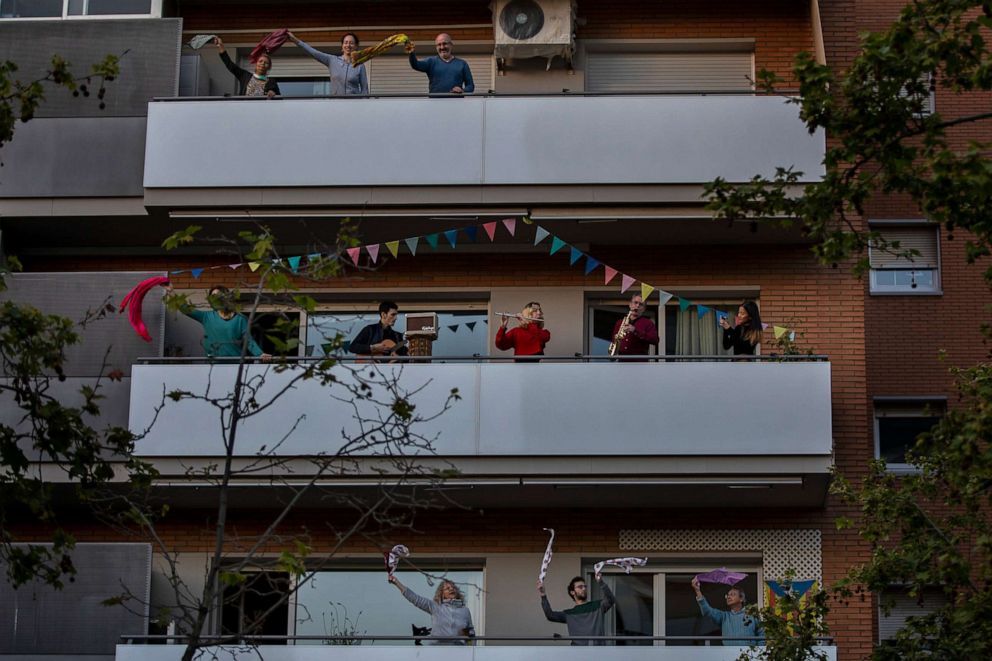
(621, 333)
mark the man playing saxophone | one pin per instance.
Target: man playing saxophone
(634, 334)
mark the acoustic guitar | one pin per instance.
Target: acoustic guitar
(388, 348)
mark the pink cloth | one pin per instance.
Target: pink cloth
(135, 298)
(269, 45)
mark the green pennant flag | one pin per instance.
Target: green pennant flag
(556, 245)
(432, 240)
(684, 304)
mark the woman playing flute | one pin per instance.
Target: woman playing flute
(528, 338)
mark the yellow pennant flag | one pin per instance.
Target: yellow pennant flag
(394, 248)
(646, 290)
(253, 266)
(367, 54)
(780, 331)
(527, 220)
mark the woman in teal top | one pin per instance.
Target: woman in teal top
(224, 330)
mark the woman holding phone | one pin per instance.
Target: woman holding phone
(745, 335)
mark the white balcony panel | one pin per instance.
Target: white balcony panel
(570, 140)
(668, 409)
(446, 653)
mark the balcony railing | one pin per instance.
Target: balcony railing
(476, 140)
(754, 408)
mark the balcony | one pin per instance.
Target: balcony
(686, 431)
(447, 653)
(464, 148)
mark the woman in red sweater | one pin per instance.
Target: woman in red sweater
(527, 339)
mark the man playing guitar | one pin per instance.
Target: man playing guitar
(379, 338)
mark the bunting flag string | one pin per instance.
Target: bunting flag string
(472, 232)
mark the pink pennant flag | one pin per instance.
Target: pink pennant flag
(373, 251)
(234, 267)
(490, 230)
(610, 274)
(354, 253)
(764, 326)
(626, 282)
(511, 225)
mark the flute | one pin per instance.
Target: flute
(517, 315)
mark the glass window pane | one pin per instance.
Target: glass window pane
(109, 7)
(363, 603)
(896, 435)
(633, 614)
(30, 8)
(885, 278)
(604, 318)
(682, 615)
(304, 87)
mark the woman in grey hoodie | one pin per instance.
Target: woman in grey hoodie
(450, 616)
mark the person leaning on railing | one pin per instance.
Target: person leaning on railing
(450, 617)
(250, 84)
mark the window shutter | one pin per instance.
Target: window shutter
(668, 72)
(392, 74)
(921, 239)
(906, 607)
(292, 66)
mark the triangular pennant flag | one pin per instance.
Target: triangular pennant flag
(780, 331)
(701, 310)
(684, 304)
(610, 274)
(591, 264)
(354, 254)
(556, 245)
(792, 336)
(540, 235)
(196, 273)
(254, 267)
(394, 248)
(432, 240)
(490, 230)
(527, 220)
(453, 329)
(472, 231)
(799, 588)
(313, 257)
(511, 225)
(764, 326)
(177, 272)
(294, 263)
(471, 325)
(452, 237)
(411, 243)
(574, 255)
(646, 290)
(234, 267)
(625, 282)
(665, 297)
(373, 251)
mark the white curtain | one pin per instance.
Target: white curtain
(698, 337)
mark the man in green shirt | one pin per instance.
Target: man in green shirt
(586, 618)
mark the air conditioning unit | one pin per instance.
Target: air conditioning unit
(534, 28)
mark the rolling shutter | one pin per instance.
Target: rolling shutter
(669, 72)
(292, 66)
(922, 239)
(905, 607)
(392, 74)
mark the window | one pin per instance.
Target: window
(922, 93)
(257, 608)
(902, 607)
(362, 603)
(663, 603)
(682, 332)
(79, 8)
(897, 426)
(603, 316)
(460, 332)
(669, 72)
(892, 273)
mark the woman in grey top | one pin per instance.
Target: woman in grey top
(345, 77)
(449, 615)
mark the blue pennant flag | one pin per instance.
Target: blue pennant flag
(294, 263)
(313, 257)
(701, 310)
(591, 264)
(196, 273)
(574, 256)
(472, 231)
(452, 237)
(777, 588)
(799, 588)
(411, 243)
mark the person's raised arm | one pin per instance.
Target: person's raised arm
(608, 598)
(549, 613)
(422, 603)
(704, 606)
(320, 56)
(422, 66)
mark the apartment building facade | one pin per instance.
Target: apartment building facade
(553, 174)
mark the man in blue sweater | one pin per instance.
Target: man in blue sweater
(446, 74)
(732, 622)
